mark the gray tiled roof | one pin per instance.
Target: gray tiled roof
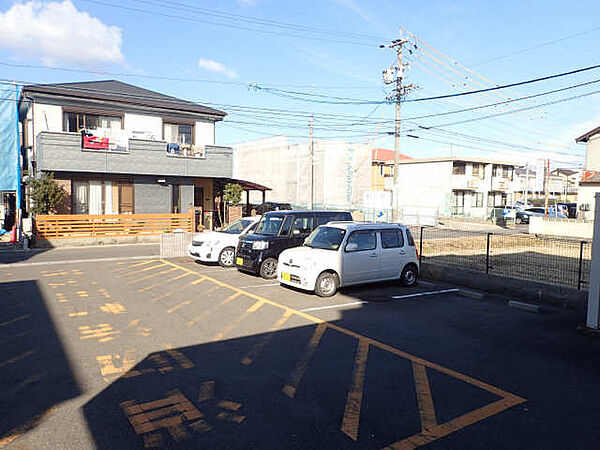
(113, 90)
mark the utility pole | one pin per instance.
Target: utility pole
(547, 178)
(526, 193)
(311, 151)
(395, 74)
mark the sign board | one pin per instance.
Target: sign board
(377, 199)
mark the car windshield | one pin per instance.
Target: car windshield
(236, 227)
(328, 238)
(270, 225)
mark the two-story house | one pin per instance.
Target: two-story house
(456, 186)
(589, 184)
(382, 168)
(118, 148)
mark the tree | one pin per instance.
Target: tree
(45, 193)
(232, 195)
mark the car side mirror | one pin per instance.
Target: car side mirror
(250, 232)
(352, 247)
(295, 232)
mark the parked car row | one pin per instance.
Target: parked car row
(521, 212)
(318, 251)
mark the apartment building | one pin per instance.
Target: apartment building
(456, 186)
(120, 149)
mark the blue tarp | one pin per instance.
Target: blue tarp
(9, 137)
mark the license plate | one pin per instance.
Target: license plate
(239, 261)
(285, 276)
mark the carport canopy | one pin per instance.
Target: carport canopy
(247, 186)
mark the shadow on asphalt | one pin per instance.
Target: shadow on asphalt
(11, 256)
(35, 373)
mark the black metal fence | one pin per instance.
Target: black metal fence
(562, 262)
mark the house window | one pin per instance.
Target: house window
(178, 134)
(74, 122)
(458, 202)
(506, 172)
(478, 199)
(491, 200)
(101, 197)
(478, 170)
(458, 168)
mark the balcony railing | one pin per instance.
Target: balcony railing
(61, 151)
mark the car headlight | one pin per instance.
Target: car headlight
(260, 245)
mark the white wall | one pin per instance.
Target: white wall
(592, 160)
(342, 171)
(143, 122)
(585, 195)
(47, 118)
(425, 184)
(205, 133)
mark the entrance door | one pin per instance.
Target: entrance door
(361, 257)
(199, 196)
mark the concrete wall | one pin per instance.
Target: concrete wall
(62, 152)
(561, 227)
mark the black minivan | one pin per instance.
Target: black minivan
(277, 230)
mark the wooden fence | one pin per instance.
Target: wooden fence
(63, 226)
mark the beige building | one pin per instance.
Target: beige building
(382, 168)
(466, 186)
(590, 179)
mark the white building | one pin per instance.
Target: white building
(456, 186)
(590, 180)
(342, 171)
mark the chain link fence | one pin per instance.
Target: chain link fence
(556, 261)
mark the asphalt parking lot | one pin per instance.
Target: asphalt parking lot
(143, 353)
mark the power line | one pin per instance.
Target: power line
(236, 26)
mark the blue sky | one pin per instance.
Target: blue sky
(461, 45)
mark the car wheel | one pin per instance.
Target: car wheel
(268, 268)
(327, 284)
(227, 257)
(409, 275)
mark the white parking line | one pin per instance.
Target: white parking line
(341, 305)
(258, 285)
(421, 294)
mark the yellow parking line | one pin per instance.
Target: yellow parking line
(424, 398)
(508, 400)
(291, 386)
(255, 307)
(140, 270)
(181, 288)
(210, 311)
(444, 429)
(152, 286)
(262, 343)
(180, 305)
(152, 275)
(143, 263)
(26, 316)
(351, 418)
